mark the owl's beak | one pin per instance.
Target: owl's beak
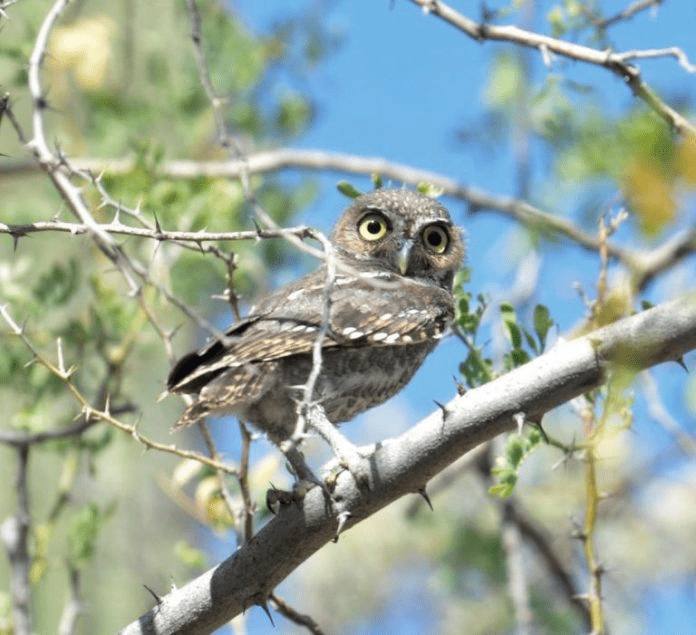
(404, 255)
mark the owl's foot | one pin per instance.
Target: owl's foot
(276, 498)
(348, 455)
(302, 471)
(349, 458)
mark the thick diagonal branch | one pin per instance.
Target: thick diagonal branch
(406, 463)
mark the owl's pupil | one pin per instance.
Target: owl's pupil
(434, 239)
(374, 227)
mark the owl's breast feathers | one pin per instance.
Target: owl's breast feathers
(379, 309)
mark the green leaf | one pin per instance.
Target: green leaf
(501, 490)
(82, 534)
(507, 467)
(531, 342)
(509, 316)
(294, 114)
(348, 189)
(58, 285)
(428, 189)
(519, 357)
(542, 323)
(515, 451)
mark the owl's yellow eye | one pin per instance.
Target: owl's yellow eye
(373, 226)
(436, 238)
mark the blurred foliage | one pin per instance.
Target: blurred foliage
(122, 81)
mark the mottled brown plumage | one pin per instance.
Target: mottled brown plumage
(396, 254)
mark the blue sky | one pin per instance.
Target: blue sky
(399, 87)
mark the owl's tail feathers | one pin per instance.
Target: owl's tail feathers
(192, 414)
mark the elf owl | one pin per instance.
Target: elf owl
(374, 318)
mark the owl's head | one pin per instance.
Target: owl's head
(400, 231)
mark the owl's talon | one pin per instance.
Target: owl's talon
(283, 498)
(354, 463)
(359, 468)
(342, 520)
(279, 497)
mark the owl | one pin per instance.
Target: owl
(385, 308)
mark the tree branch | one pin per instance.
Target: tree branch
(547, 45)
(326, 161)
(404, 464)
(645, 266)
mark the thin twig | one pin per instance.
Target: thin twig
(294, 616)
(631, 10)
(243, 478)
(310, 384)
(20, 231)
(17, 439)
(672, 51)
(659, 413)
(588, 532)
(517, 579)
(105, 415)
(230, 504)
(48, 161)
(562, 579)
(3, 5)
(73, 608)
(15, 532)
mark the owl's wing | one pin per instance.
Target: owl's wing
(373, 310)
(389, 310)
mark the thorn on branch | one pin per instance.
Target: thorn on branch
(519, 418)
(682, 363)
(264, 605)
(424, 494)
(158, 599)
(158, 227)
(258, 229)
(62, 158)
(16, 234)
(443, 408)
